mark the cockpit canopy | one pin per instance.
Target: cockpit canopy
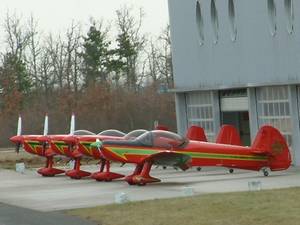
(83, 132)
(161, 139)
(134, 134)
(114, 133)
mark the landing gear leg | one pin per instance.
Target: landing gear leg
(144, 177)
(49, 171)
(107, 175)
(137, 170)
(76, 173)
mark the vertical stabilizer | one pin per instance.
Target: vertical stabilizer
(229, 135)
(196, 133)
(269, 141)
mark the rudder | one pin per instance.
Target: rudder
(269, 141)
(196, 133)
(228, 134)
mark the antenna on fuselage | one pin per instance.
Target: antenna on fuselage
(72, 125)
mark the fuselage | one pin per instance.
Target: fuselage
(32, 145)
(201, 153)
(82, 147)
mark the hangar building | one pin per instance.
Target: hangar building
(237, 62)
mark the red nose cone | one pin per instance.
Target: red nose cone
(70, 140)
(17, 139)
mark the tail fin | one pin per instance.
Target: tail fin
(228, 134)
(269, 141)
(196, 133)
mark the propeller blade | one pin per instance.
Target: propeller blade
(19, 129)
(72, 125)
(46, 125)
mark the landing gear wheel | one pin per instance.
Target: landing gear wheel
(141, 184)
(199, 168)
(164, 167)
(231, 170)
(266, 173)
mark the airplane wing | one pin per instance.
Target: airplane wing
(169, 158)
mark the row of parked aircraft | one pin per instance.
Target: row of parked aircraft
(143, 148)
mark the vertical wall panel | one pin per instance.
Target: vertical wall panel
(273, 108)
(200, 111)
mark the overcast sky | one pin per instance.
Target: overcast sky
(56, 15)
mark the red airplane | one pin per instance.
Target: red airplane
(81, 147)
(33, 145)
(77, 146)
(268, 151)
(40, 145)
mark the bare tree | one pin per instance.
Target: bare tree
(17, 35)
(55, 49)
(130, 43)
(71, 49)
(165, 57)
(33, 55)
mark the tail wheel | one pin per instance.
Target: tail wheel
(266, 172)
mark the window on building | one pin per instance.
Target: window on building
(199, 22)
(231, 13)
(289, 10)
(200, 111)
(272, 17)
(214, 20)
(273, 107)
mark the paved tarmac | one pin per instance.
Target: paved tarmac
(12, 215)
(30, 190)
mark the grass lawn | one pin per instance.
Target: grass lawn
(272, 207)
(8, 160)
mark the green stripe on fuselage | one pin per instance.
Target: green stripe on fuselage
(60, 145)
(122, 151)
(87, 146)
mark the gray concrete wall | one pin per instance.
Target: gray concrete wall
(295, 125)
(255, 58)
(181, 116)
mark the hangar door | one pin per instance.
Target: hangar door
(234, 108)
(273, 107)
(199, 109)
